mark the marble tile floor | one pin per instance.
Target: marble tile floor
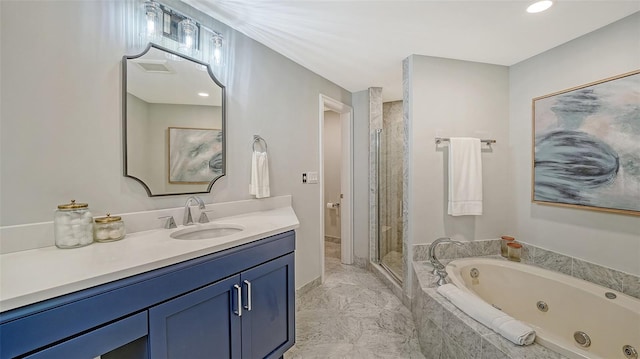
(332, 247)
(352, 315)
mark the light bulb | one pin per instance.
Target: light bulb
(152, 13)
(216, 56)
(187, 36)
(216, 48)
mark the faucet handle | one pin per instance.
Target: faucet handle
(169, 223)
(203, 216)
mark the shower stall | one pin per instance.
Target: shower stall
(389, 147)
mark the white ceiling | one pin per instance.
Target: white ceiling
(179, 86)
(361, 44)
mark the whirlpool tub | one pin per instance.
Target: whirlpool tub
(575, 318)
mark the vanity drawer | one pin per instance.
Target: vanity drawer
(99, 341)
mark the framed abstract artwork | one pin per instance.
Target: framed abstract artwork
(586, 146)
(195, 155)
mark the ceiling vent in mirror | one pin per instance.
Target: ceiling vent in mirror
(155, 66)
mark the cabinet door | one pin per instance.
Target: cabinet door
(199, 324)
(268, 303)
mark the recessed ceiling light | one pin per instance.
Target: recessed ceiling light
(539, 6)
(203, 94)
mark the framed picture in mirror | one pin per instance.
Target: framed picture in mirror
(195, 154)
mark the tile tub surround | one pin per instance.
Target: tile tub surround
(622, 282)
(444, 331)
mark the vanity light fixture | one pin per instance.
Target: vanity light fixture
(539, 6)
(153, 22)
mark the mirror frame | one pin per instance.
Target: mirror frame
(124, 118)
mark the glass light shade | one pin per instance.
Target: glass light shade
(153, 17)
(188, 37)
(215, 49)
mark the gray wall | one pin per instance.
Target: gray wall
(607, 239)
(452, 98)
(67, 60)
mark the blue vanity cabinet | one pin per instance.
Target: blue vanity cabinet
(235, 303)
(249, 315)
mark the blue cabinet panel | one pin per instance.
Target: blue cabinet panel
(200, 324)
(269, 316)
(98, 341)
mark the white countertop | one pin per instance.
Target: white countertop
(31, 276)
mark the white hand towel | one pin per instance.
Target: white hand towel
(259, 184)
(497, 320)
(465, 177)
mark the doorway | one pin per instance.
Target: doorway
(336, 173)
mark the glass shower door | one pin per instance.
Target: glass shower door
(389, 160)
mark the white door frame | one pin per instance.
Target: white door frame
(346, 177)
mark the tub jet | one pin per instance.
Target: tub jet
(582, 339)
(630, 352)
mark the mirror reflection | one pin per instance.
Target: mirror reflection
(174, 120)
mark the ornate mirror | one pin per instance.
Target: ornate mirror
(173, 123)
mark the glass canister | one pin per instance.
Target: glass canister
(504, 249)
(515, 251)
(73, 225)
(108, 229)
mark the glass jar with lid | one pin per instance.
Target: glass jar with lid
(73, 225)
(108, 229)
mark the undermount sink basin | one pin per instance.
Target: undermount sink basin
(207, 231)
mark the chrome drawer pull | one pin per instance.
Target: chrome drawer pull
(248, 306)
(238, 312)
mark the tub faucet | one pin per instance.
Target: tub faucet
(187, 219)
(438, 268)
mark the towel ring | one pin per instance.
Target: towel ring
(259, 140)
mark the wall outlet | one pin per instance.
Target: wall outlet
(304, 177)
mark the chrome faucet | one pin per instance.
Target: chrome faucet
(187, 219)
(438, 268)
